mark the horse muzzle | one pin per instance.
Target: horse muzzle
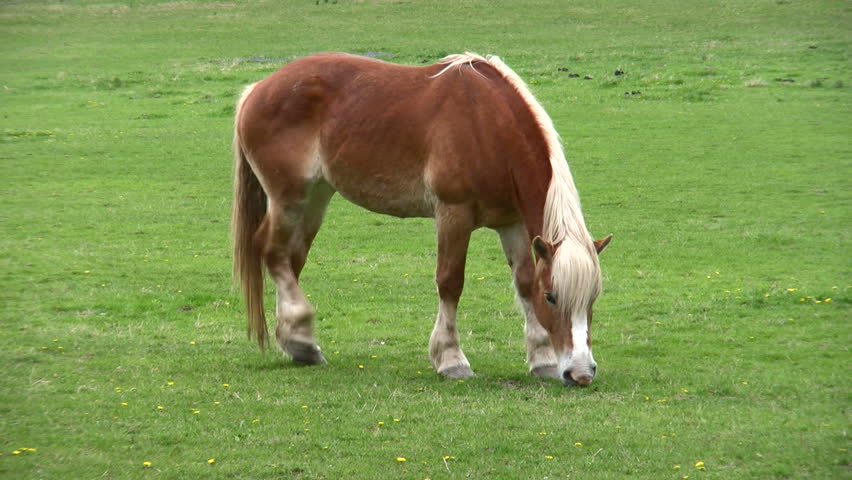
(581, 375)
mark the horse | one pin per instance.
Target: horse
(463, 141)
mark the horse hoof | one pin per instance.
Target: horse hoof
(304, 353)
(457, 372)
(545, 371)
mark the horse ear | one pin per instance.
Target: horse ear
(602, 243)
(542, 249)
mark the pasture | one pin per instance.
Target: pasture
(719, 157)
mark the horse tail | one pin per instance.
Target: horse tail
(247, 216)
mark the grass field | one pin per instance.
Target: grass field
(720, 160)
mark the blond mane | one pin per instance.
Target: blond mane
(576, 271)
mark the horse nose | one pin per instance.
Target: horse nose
(570, 378)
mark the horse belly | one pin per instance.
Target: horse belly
(400, 194)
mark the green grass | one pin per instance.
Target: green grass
(725, 182)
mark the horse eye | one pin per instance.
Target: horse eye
(551, 298)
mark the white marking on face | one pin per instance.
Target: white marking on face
(581, 356)
(580, 334)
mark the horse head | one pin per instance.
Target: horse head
(567, 283)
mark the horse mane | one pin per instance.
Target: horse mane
(576, 271)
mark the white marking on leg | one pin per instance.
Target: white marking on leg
(444, 348)
(539, 349)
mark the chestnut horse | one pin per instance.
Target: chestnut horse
(462, 141)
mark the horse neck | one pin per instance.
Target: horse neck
(531, 186)
(548, 200)
(563, 219)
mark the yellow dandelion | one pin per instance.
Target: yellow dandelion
(256, 420)
(548, 457)
(684, 390)
(211, 461)
(304, 406)
(87, 271)
(791, 289)
(676, 467)
(578, 444)
(449, 457)
(170, 383)
(361, 367)
(217, 403)
(400, 459)
(16, 452)
(744, 383)
(699, 465)
(381, 424)
(160, 407)
(374, 356)
(192, 342)
(542, 433)
(480, 278)
(226, 385)
(397, 420)
(123, 404)
(827, 300)
(147, 464)
(195, 411)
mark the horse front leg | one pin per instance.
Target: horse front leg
(541, 358)
(454, 226)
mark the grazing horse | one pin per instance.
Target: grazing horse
(462, 141)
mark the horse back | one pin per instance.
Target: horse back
(394, 139)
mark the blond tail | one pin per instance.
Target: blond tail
(247, 216)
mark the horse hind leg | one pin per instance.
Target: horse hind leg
(541, 357)
(290, 232)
